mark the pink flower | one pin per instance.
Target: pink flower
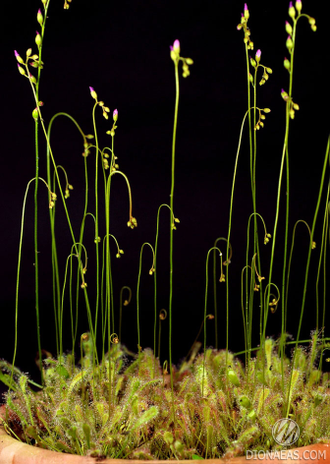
(115, 115)
(176, 46)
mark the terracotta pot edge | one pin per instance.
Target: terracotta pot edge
(13, 451)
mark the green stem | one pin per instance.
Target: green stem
(326, 161)
(175, 123)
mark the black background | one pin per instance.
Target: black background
(122, 50)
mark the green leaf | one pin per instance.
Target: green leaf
(195, 456)
(8, 381)
(147, 416)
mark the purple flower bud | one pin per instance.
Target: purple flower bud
(93, 93)
(298, 5)
(38, 40)
(40, 18)
(115, 115)
(175, 50)
(18, 58)
(292, 11)
(246, 11)
(175, 47)
(258, 55)
(21, 70)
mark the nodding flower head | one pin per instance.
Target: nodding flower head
(115, 115)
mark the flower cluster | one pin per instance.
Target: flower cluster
(255, 63)
(292, 105)
(260, 120)
(243, 25)
(294, 13)
(175, 55)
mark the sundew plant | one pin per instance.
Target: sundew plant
(95, 395)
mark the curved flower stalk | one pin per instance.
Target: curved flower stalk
(23, 67)
(205, 301)
(152, 271)
(56, 278)
(18, 272)
(222, 279)
(253, 287)
(174, 221)
(261, 112)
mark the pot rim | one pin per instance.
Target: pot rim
(13, 451)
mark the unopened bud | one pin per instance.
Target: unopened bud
(246, 11)
(32, 78)
(21, 70)
(18, 57)
(292, 11)
(93, 93)
(289, 43)
(288, 28)
(287, 64)
(38, 39)
(35, 114)
(284, 95)
(115, 115)
(40, 18)
(176, 46)
(312, 23)
(298, 6)
(175, 50)
(258, 55)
